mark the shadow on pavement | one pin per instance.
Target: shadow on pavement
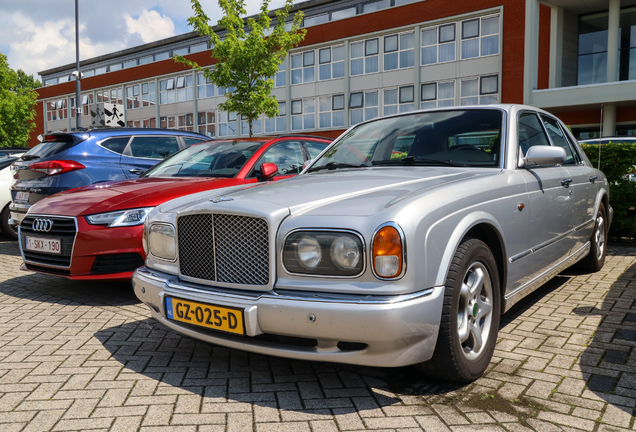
(52, 289)
(609, 361)
(9, 246)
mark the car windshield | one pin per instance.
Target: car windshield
(468, 137)
(223, 159)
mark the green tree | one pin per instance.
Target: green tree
(17, 105)
(247, 58)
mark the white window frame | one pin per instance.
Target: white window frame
(334, 115)
(436, 101)
(331, 64)
(305, 68)
(303, 111)
(404, 104)
(206, 123)
(399, 51)
(228, 123)
(367, 54)
(365, 107)
(279, 122)
(205, 88)
(483, 96)
(479, 37)
(439, 46)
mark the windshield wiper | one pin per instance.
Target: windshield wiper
(29, 157)
(335, 165)
(412, 159)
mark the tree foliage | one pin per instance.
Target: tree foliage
(618, 161)
(247, 59)
(17, 105)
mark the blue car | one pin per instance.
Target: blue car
(69, 160)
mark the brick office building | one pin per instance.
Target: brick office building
(366, 58)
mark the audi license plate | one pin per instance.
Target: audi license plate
(38, 244)
(205, 315)
(22, 196)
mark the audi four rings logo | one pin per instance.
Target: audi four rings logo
(42, 225)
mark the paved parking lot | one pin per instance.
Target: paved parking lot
(86, 356)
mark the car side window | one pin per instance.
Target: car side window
(155, 147)
(287, 155)
(315, 148)
(116, 144)
(192, 141)
(558, 138)
(531, 132)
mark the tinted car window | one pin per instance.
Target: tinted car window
(47, 149)
(530, 132)
(287, 155)
(558, 139)
(314, 148)
(157, 147)
(192, 141)
(5, 162)
(117, 144)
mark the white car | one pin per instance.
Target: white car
(6, 178)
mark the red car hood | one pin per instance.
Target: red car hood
(110, 196)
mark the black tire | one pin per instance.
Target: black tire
(454, 359)
(7, 230)
(595, 260)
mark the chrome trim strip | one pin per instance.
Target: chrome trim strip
(402, 238)
(172, 283)
(49, 265)
(327, 230)
(549, 242)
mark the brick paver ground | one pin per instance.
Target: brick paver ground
(86, 356)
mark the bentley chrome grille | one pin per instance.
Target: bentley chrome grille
(224, 248)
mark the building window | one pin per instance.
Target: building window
(303, 114)
(331, 60)
(87, 101)
(480, 37)
(100, 70)
(140, 95)
(303, 67)
(168, 122)
(177, 89)
(145, 60)
(227, 123)
(438, 44)
(376, 6)
(185, 122)
(130, 63)
(440, 94)
(331, 111)
(364, 57)
(399, 51)
(133, 97)
(257, 126)
(207, 123)
(198, 48)
(280, 75)
(315, 20)
(278, 123)
(480, 90)
(146, 123)
(162, 56)
(398, 100)
(363, 106)
(342, 14)
(114, 67)
(205, 88)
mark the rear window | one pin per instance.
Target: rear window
(61, 143)
(154, 147)
(5, 162)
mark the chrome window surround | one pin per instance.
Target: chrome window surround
(402, 239)
(326, 230)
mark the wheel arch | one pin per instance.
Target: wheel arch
(482, 226)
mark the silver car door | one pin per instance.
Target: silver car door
(582, 184)
(549, 206)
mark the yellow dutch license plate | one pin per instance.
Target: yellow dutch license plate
(205, 315)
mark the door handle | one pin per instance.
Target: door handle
(137, 171)
(592, 179)
(566, 182)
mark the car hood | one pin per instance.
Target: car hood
(111, 196)
(355, 192)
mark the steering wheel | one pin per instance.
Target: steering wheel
(465, 147)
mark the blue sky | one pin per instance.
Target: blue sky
(37, 35)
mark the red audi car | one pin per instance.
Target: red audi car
(94, 232)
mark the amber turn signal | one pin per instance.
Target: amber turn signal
(387, 252)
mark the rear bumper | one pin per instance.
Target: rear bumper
(388, 331)
(18, 212)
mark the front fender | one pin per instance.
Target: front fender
(443, 239)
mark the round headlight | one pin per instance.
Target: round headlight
(308, 252)
(345, 253)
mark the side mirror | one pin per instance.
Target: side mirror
(544, 155)
(268, 170)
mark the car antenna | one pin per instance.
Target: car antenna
(600, 139)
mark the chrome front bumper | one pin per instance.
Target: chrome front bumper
(18, 212)
(397, 330)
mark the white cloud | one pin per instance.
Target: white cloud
(150, 25)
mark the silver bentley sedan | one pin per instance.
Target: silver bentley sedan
(400, 244)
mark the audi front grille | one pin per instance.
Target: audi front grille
(224, 248)
(48, 227)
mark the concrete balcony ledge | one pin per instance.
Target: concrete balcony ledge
(580, 96)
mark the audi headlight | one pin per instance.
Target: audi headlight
(162, 241)
(120, 218)
(328, 253)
